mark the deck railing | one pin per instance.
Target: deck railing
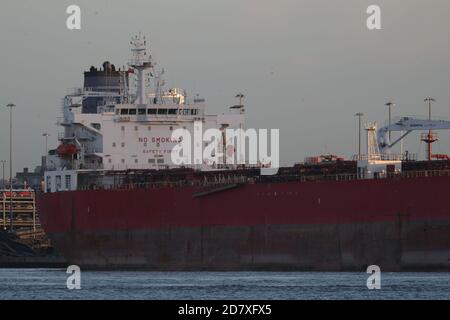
(241, 179)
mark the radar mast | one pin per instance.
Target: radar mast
(140, 62)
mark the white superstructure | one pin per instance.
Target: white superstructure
(130, 130)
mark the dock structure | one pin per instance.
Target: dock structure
(19, 214)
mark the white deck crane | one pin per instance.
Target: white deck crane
(407, 125)
(379, 161)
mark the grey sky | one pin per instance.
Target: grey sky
(305, 66)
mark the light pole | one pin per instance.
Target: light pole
(10, 106)
(429, 100)
(46, 135)
(3, 171)
(359, 115)
(240, 96)
(3, 187)
(389, 105)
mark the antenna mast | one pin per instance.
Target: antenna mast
(159, 85)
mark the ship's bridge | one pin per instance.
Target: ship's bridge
(154, 112)
(171, 105)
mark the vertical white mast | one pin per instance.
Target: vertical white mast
(373, 153)
(140, 61)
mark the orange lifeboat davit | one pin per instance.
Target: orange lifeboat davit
(66, 149)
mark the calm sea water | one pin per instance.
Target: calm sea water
(51, 284)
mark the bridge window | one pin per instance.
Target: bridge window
(141, 111)
(132, 111)
(160, 160)
(123, 111)
(162, 111)
(172, 111)
(151, 160)
(151, 111)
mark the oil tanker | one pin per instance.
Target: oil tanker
(113, 198)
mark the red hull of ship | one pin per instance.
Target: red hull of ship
(398, 224)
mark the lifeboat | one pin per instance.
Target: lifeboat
(7, 194)
(66, 149)
(24, 194)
